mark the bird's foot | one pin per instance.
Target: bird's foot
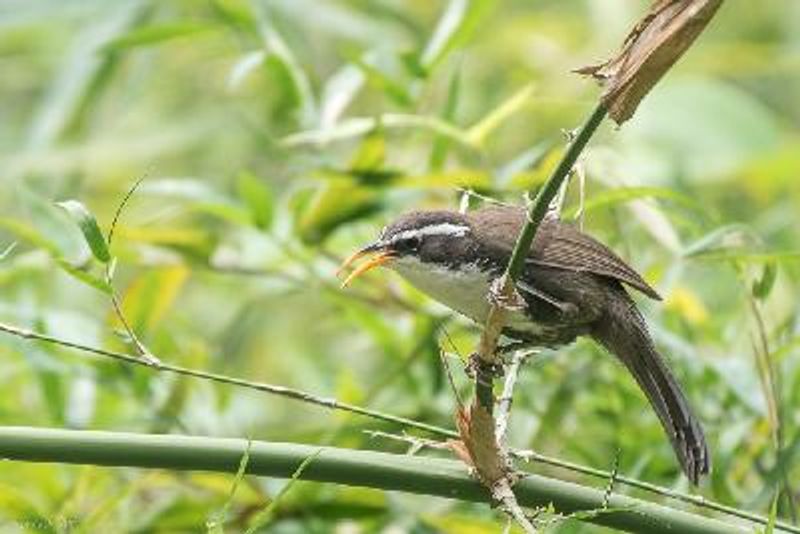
(504, 297)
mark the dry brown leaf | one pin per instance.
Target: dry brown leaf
(460, 450)
(476, 426)
(650, 49)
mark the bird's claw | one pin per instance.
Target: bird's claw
(500, 296)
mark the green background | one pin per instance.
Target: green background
(275, 137)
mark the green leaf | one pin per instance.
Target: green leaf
(8, 250)
(215, 524)
(773, 515)
(334, 203)
(371, 153)
(33, 237)
(235, 14)
(729, 238)
(258, 197)
(455, 27)
(198, 196)
(265, 516)
(358, 126)
(84, 276)
(245, 66)
(89, 228)
(155, 34)
(282, 57)
(441, 143)
(338, 92)
(82, 76)
(381, 81)
(477, 134)
(763, 286)
(620, 195)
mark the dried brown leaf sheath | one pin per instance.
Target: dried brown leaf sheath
(650, 49)
(476, 427)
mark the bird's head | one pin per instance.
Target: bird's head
(420, 240)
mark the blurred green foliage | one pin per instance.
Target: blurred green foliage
(277, 135)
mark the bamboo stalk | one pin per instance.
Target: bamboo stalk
(391, 472)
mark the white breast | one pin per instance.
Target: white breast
(464, 290)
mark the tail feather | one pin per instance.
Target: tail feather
(624, 333)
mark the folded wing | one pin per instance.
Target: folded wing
(560, 245)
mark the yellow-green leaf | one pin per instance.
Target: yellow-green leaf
(89, 228)
(255, 193)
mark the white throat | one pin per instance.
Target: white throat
(464, 291)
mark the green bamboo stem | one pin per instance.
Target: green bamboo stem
(391, 472)
(548, 192)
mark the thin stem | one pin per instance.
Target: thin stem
(398, 472)
(223, 379)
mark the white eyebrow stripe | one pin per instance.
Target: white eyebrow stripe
(455, 230)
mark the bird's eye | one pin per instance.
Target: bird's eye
(409, 244)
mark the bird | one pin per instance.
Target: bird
(571, 285)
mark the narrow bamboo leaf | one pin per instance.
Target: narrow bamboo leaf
(657, 224)
(621, 195)
(265, 515)
(183, 188)
(743, 255)
(729, 238)
(84, 276)
(339, 91)
(244, 67)
(334, 203)
(357, 126)
(383, 82)
(82, 75)
(199, 196)
(455, 27)
(280, 52)
(258, 198)
(371, 154)
(342, 130)
(477, 134)
(8, 250)
(763, 286)
(412, 63)
(31, 236)
(773, 515)
(235, 14)
(89, 228)
(452, 179)
(153, 35)
(51, 385)
(215, 525)
(151, 296)
(441, 143)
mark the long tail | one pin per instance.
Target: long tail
(624, 333)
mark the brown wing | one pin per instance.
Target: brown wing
(557, 244)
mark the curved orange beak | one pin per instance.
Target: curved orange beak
(378, 256)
